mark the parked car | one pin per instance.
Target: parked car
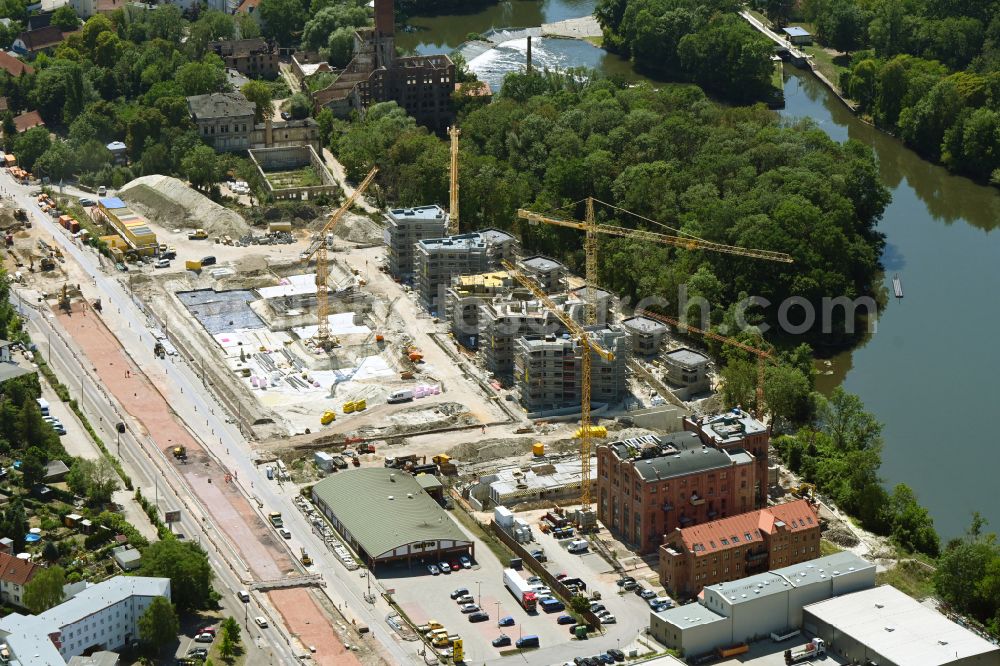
(162, 263)
(204, 638)
(443, 566)
(102, 191)
(433, 569)
(617, 654)
(597, 608)
(207, 630)
(479, 616)
(566, 619)
(86, 203)
(506, 621)
(501, 641)
(455, 565)
(466, 562)
(465, 599)
(606, 658)
(243, 596)
(625, 579)
(629, 585)
(197, 653)
(660, 601)
(460, 592)
(285, 534)
(470, 608)
(539, 555)
(644, 593)
(208, 261)
(527, 641)
(608, 619)
(535, 580)
(260, 621)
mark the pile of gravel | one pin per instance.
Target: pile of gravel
(170, 203)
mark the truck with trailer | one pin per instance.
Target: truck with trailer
(814, 648)
(275, 518)
(521, 590)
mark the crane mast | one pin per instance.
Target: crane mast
(453, 132)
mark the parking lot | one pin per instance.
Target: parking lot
(425, 597)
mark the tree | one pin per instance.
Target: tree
(58, 162)
(961, 571)
(912, 525)
(201, 167)
(787, 393)
(201, 78)
(187, 567)
(259, 93)
(843, 417)
(33, 466)
(247, 26)
(65, 18)
(579, 604)
(158, 624)
(230, 637)
(340, 47)
(300, 106)
(50, 552)
(281, 19)
(328, 20)
(30, 145)
(97, 481)
(45, 590)
(843, 26)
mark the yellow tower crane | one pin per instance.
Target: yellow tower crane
(591, 228)
(588, 347)
(762, 356)
(453, 132)
(318, 249)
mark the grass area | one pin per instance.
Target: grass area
(596, 41)
(828, 548)
(829, 65)
(777, 80)
(499, 549)
(909, 577)
(304, 177)
(757, 15)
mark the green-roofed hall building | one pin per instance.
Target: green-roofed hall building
(385, 515)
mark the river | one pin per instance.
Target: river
(929, 370)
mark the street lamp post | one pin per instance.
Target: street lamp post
(479, 586)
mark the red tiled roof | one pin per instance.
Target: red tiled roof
(18, 572)
(13, 66)
(735, 531)
(27, 120)
(247, 6)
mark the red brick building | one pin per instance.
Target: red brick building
(251, 57)
(738, 546)
(737, 430)
(651, 485)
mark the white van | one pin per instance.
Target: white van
(577, 546)
(43, 405)
(243, 596)
(400, 396)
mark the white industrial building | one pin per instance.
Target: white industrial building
(753, 607)
(104, 616)
(885, 626)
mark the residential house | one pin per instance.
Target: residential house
(15, 573)
(13, 66)
(42, 40)
(226, 120)
(27, 120)
(255, 58)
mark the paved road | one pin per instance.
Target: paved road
(103, 412)
(196, 406)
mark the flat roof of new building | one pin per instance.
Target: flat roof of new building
(599, 293)
(689, 615)
(417, 214)
(685, 356)
(752, 587)
(495, 236)
(835, 564)
(460, 242)
(733, 425)
(644, 325)
(542, 264)
(384, 509)
(111, 202)
(900, 628)
(549, 477)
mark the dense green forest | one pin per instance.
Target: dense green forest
(125, 78)
(925, 70)
(729, 175)
(702, 41)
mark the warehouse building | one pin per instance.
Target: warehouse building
(737, 546)
(404, 228)
(882, 625)
(649, 486)
(751, 608)
(410, 526)
(549, 371)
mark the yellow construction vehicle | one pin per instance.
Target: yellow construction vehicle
(180, 452)
(804, 491)
(349, 407)
(327, 418)
(198, 234)
(306, 560)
